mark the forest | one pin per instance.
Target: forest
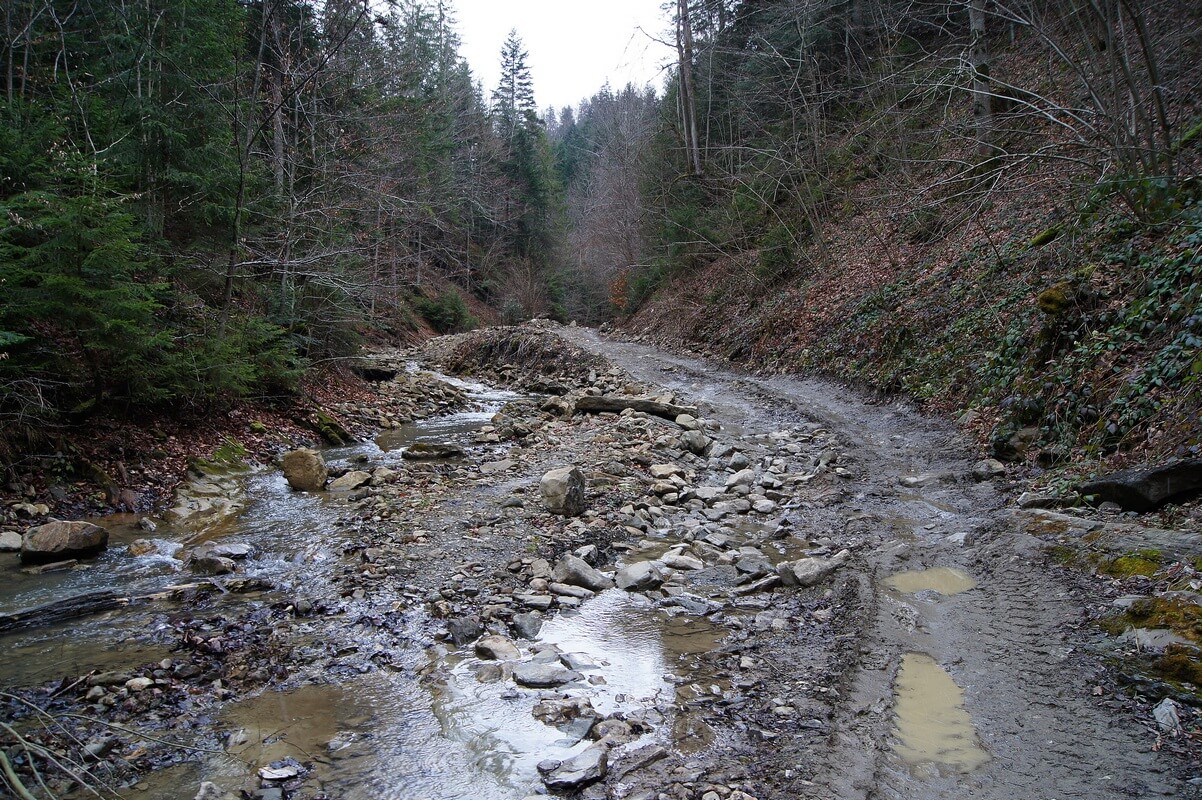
(203, 201)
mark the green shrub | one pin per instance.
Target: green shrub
(447, 313)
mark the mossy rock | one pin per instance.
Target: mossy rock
(1054, 300)
(231, 454)
(1045, 236)
(258, 427)
(327, 427)
(1127, 566)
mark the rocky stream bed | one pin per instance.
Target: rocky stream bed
(594, 570)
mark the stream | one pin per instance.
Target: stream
(425, 725)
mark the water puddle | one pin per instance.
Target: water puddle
(945, 580)
(932, 727)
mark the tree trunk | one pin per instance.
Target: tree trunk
(978, 58)
(684, 49)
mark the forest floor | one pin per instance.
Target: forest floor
(943, 651)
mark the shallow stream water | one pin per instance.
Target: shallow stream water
(382, 734)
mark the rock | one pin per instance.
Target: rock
(744, 477)
(465, 629)
(543, 676)
(212, 565)
(10, 541)
(641, 576)
(139, 684)
(567, 590)
(494, 467)
(695, 442)
(575, 571)
(681, 561)
(429, 451)
(305, 470)
(988, 469)
(563, 491)
(1034, 500)
(142, 547)
(383, 475)
(350, 481)
(539, 602)
(1167, 718)
(581, 770)
(497, 648)
(1147, 489)
(59, 541)
(147, 524)
(528, 624)
(811, 571)
(688, 422)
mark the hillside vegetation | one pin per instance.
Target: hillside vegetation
(859, 214)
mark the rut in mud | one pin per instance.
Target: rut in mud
(816, 600)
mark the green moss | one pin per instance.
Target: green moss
(230, 454)
(1055, 299)
(1127, 566)
(1180, 665)
(1045, 236)
(1189, 136)
(1180, 616)
(258, 427)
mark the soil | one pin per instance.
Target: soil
(986, 677)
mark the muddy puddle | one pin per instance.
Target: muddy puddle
(944, 580)
(932, 728)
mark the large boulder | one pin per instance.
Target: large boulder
(59, 541)
(1147, 489)
(305, 470)
(563, 491)
(575, 571)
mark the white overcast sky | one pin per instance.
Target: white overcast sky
(574, 46)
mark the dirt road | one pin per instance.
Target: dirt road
(1038, 720)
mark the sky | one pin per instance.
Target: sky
(574, 46)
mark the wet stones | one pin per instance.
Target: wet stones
(535, 675)
(641, 576)
(59, 541)
(305, 470)
(465, 629)
(988, 469)
(429, 451)
(350, 481)
(10, 541)
(588, 767)
(563, 491)
(528, 624)
(807, 572)
(575, 571)
(497, 648)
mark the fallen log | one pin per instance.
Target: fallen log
(82, 605)
(85, 605)
(593, 404)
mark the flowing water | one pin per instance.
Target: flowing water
(383, 734)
